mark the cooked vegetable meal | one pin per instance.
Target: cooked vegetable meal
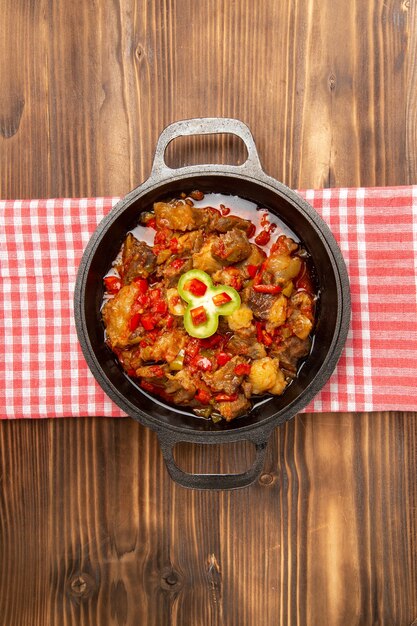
(211, 314)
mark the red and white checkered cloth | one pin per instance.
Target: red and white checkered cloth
(43, 372)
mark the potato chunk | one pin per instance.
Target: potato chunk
(278, 312)
(241, 318)
(279, 385)
(265, 375)
(179, 216)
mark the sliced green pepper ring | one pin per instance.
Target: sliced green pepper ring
(205, 303)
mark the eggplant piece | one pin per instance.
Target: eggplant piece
(138, 260)
(232, 247)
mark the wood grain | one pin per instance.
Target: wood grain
(92, 530)
(95, 533)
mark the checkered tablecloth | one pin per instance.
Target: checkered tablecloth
(43, 372)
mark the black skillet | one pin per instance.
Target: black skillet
(247, 181)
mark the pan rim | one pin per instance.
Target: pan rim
(341, 325)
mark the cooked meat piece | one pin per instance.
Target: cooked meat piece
(238, 345)
(130, 358)
(231, 247)
(152, 372)
(137, 258)
(291, 351)
(165, 347)
(304, 302)
(231, 276)
(181, 387)
(196, 194)
(256, 351)
(235, 408)
(163, 255)
(247, 388)
(222, 224)
(179, 216)
(260, 303)
(224, 379)
(256, 257)
(171, 273)
(246, 346)
(189, 242)
(285, 245)
(117, 314)
(204, 260)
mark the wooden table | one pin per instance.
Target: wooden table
(92, 530)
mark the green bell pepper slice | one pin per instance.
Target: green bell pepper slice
(205, 303)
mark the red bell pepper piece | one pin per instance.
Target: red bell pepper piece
(134, 322)
(202, 363)
(142, 285)
(224, 397)
(160, 238)
(266, 338)
(242, 369)
(192, 349)
(221, 298)
(148, 321)
(113, 284)
(177, 264)
(155, 295)
(173, 245)
(263, 238)
(143, 300)
(148, 386)
(267, 288)
(211, 342)
(223, 358)
(196, 287)
(203, 396)
(261, 335)
(161, 307)
(169, 321)
(151, 223)
(198, 315)
(252, 269)
(157, 371)
(259, 331)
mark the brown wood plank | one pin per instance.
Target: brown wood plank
(92, 530)
(97, 534)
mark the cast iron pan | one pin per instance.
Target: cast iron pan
(249, 181)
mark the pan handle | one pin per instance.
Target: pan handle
(206, 126)
(212, 481)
